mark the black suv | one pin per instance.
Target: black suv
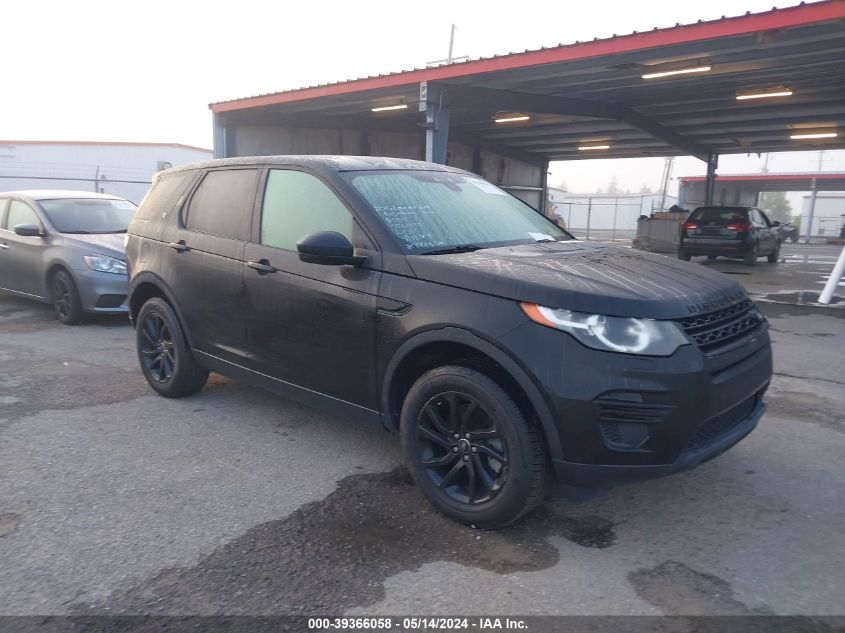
(429, 301)
(742, 233)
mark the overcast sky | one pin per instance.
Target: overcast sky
(147, 70)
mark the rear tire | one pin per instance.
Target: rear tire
(65, 295)
(494, 471)
(164, 354)
(750, 258)
(774, 256)
(684, 255)
(712, 257)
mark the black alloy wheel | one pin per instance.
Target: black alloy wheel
(164, 353)
(65, 296)
(157, 348)
(461, 449)
(474, 453)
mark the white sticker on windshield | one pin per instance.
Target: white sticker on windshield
(541, 237)
(486, 187)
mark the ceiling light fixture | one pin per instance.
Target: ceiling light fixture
(511, 118)
(401, 106)
(780, 91)
(680, 71)
(587, 148)
(812, 135)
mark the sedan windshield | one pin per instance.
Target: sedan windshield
(435, 212)
(89, 215)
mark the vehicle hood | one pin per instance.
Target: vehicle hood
(586, 277)
(110, 244)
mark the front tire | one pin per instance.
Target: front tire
(164, 354)
(66, 302)
(774, 256)
(470, 449)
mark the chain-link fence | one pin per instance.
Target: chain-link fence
(606, 217)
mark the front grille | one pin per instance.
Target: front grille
(715, 428)
(718, 329)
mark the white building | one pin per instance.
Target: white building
(828, 215)
(121, 169)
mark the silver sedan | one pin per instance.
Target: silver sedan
(65, 248)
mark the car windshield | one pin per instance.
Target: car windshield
(719, 214)
(434, 211)
(89, 215)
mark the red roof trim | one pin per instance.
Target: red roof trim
(766, 177)
(726, 27)
(130, 143)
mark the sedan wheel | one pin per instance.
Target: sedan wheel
(66, 302)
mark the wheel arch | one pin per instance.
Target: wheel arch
(450, 345)
(146, 286)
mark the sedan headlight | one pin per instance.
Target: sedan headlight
(105, 264)
(609, 333)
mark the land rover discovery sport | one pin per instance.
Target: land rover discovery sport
(428, 301)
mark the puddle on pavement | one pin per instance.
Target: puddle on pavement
(334, 554)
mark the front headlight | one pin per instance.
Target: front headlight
(105, 264)
(614, 334)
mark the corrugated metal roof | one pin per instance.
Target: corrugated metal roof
(797, 14)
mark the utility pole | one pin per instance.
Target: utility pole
(667, 173)
(450, 59)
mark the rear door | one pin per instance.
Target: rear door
(308, 324)
(21, 258)
(203, 265)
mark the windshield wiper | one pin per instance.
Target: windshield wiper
(76, 232)
(109, 232)
(461, 248)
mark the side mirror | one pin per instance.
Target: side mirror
(775, 224)
(328, 248)
(29, 230)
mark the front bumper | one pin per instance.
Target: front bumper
(621, 417)
(102, 292)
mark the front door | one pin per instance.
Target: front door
(310, 325)
(21, 257)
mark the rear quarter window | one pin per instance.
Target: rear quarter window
(167, 193)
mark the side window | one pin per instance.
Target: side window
(764, 219)
(20, 213)
(165, 195)
(296, 204)
(4, 202)
(222, 204)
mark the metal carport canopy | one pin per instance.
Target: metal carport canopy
(593, 92)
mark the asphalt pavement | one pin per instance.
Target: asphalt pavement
(235, 501)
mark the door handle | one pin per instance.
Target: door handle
(179, 246)
(263, 267)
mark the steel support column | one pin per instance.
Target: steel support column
(436, 123)
(219, 138)
(710, 184)
(811, 212)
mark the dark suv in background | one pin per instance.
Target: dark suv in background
(742, 233)
(430, 302)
